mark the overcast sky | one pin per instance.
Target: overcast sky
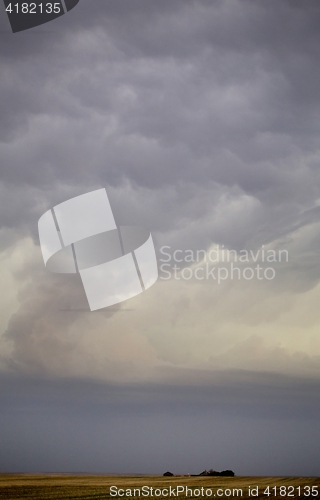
(201, 118)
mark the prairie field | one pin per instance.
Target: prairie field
(63, 487)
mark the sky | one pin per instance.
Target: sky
(201, 119)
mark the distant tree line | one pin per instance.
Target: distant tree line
(211, 472)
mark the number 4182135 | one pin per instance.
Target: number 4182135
(34, 8)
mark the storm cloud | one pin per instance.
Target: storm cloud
(201, 120)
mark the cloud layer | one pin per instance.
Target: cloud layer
(201, 119)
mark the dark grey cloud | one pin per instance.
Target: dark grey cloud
(201, 119)
(224, 110)
(199, 98)
(251, 424)
(205, 113)
(190, 101)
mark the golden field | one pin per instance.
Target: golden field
(63, 487)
